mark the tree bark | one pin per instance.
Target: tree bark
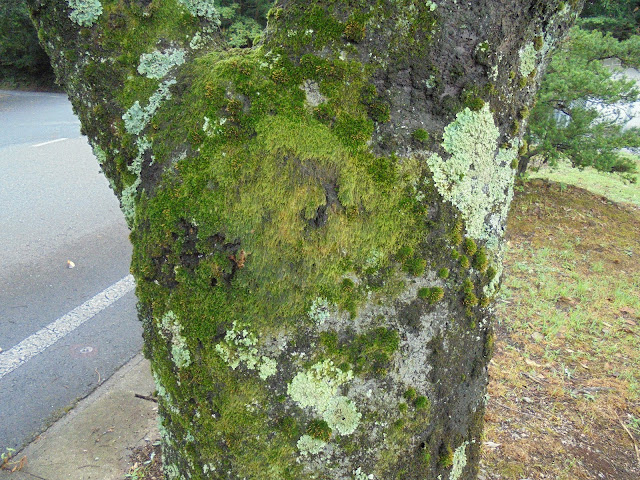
(317, 222)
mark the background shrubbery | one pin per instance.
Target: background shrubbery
(23, 63)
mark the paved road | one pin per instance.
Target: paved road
(55, 206)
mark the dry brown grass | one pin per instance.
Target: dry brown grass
(565, 378)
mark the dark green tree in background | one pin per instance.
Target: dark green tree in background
(22, 59)
(573, 118)
(567, 121)
(621, 18)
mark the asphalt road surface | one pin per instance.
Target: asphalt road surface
(63, 331)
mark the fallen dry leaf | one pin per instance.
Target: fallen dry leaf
(531, 363)
(491, 444)
(627, 311)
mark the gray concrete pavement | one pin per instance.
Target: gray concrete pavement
(51, 195)
(34, 117)
(56, 207)
(95, 439)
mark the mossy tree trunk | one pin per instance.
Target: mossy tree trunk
(317, 222)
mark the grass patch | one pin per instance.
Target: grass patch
(566, 373)
(614, 186)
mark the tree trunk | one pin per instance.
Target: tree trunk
(317, 222)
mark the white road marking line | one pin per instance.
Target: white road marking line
(49, 142)
(47, 336)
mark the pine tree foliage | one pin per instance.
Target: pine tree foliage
(568, 120)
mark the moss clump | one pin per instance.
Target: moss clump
(330, 341)
(491, 272)
(377, 108)
(489, 345)
(456, 233)
(289, 427)
(347, 284)
(324, 113)
(431, 295)
(515, 128)
(475, 104)
(480, 260)
(443, 273)
(422, 403)
(470, 299)
(402, 407)
(319, 429)
(446, 457)
(366, 354)
(420, 135)
(484, 301)
(469, 246)
(538, 43)
(415, 266)
(372, 351)
(464, 261)
(410, 394)
(354, 31)
(404, 254)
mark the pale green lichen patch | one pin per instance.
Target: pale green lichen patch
(267, 368)
(128, 202)
(358, 474)
(459, 461)
(161, 391)
(129, 193)
(477, 178)
(99, 153)
(156, 65)
(315, 387)
(171, 472)
(240, 347)
(320, 310)
(318, 388)
(307, 445)
(137, 117)
(341, 415)
(85, 12)
(528, 59)
(202, 8)
(172, 329)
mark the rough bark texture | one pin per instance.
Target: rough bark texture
(317, 222)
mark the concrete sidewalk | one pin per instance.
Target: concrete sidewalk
(94, 440)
